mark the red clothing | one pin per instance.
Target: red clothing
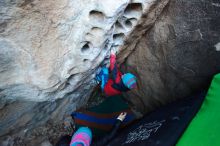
(116, 74)
(116, 78)
(109, 90)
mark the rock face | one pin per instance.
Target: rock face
(178, 55)
(50, 50)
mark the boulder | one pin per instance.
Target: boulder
(176, 56)
(49, 53)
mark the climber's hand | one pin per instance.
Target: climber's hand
(114, 51)
(69, 125)
(122, 116)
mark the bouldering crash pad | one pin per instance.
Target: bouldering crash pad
(162, 127)
(204, 130)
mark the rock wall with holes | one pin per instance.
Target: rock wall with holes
(177, 56)
(50, 50)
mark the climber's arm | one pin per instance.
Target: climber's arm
(116, 74)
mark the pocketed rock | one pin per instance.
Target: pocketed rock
(49, 52)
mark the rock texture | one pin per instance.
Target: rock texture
(178, 55)
(49, 52)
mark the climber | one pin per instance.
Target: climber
(119, 82)
(83, 136)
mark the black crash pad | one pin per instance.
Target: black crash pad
(162, 127)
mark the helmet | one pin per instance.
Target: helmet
(129, 80)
